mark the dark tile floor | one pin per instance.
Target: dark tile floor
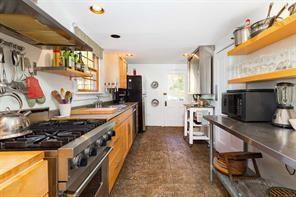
(161, 163)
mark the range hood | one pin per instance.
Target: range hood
(200, 71)
(24, 20)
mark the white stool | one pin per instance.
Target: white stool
(197, 130)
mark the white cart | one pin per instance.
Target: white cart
(195, 126)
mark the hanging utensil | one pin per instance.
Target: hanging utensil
(1, 61)
(14, 57)
(273, 20)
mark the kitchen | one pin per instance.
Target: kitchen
(143, 105)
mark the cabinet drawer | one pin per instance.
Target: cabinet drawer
(120, 118)
(33, 181)
(116, 139)
(115, 164)
(116, 150)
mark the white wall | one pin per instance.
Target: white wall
(225, 70)
(157, 72)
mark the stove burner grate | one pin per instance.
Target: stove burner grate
(50, 135)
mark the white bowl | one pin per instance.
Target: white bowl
(293, 123)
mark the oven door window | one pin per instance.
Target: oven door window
(94, 185)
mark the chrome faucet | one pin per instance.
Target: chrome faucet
(98, 103)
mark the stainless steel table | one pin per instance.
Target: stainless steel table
(278, 142)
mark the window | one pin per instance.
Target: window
(176, 86)
(89, 84)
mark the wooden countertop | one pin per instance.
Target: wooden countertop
(106, 117)
(11, 163)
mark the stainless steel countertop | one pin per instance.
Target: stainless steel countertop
(278, 142)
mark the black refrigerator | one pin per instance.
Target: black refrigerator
(135, 94)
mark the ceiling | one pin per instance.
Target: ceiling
(155, 31)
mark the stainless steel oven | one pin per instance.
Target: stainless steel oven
(95, 184)
(83, 164)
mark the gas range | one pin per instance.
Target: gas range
(50, 135)
(77, 153)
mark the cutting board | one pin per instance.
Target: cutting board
(87, 111)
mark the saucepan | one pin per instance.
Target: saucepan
(241, 34)
(13, 124)
(264, 24)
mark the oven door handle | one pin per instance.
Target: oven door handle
(91, 175)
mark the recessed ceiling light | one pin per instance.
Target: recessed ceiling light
(185, 54)
(115, 36)
(97, 9)
(129, 55)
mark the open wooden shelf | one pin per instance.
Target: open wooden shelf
(277, 32)
(63, 71)
(281, 74)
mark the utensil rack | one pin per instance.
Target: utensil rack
(11, 45)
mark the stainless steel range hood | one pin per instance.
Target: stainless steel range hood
(200, 71)
(24, 20)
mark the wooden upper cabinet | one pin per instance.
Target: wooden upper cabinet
(115, 69)
(122, 73)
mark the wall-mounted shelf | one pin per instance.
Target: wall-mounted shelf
(281, 74)
(277, 32)
(63, 71)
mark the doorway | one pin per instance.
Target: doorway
(174, 98)
(170, 92)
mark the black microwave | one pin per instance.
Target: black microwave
(255, 105)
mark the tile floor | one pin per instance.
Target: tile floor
(161, 163)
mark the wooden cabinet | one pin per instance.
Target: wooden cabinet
(121, 144)
(115, 69)
(24, 174)
(122, 73)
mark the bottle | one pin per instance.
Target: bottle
(71, 60)
(66, 56)
(80, 62)
(75, 57)
(57, 57)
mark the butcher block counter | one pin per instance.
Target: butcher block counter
(106, 117)
(21, 172)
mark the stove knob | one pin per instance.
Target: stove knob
(101, 142)
(107, 137)
(111, 133)
(91, 151)
(80, 160)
